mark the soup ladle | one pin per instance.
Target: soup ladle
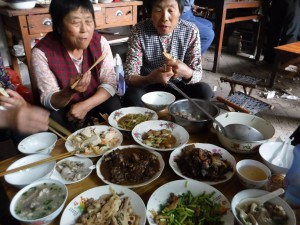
(240, 132)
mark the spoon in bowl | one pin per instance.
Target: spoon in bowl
(234, 131)
(261, 199)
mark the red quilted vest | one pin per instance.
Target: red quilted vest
(63, 67)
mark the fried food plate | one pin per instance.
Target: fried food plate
(179, 134)
(75, 208)
(115, 116)
(161, 195)
(211, 148)
(129, 148)
(94, 140)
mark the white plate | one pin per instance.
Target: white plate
(181, 135)
(87, 163)
(117, 114)
(160, 159)
(74, 209)
(212, 148)
(162, 194)
(98, 130)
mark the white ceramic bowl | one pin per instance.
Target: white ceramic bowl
(267, 151)
(255, 174)
(24, 177)
(244, 147)
(43, 142)
(22, 4)
(46, 219)
(249, 193)
(158, 100)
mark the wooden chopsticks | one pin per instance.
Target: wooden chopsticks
(95, 64)
(40, 162)
(58, 134)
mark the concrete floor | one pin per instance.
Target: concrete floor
(284, 116)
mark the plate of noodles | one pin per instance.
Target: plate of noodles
(93, 141)
(111, 203)
(127, 118)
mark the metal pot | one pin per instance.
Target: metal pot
(199, 122)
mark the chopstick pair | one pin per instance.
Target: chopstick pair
(40, 162)
(57, 129)
(95, 64)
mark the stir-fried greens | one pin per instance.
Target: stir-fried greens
(188, 209)
(129, 121)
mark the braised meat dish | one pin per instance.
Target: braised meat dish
(129, 166)
(203, 165)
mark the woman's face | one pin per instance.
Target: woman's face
(165, 16)
(78, 29)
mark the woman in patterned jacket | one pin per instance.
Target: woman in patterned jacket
(164, 32)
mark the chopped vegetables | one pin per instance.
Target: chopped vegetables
(159, 139)
(129, 121)
(188, 209)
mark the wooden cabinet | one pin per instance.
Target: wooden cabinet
(36, 23)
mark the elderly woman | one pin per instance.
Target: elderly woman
(164, 32)
(64, 55)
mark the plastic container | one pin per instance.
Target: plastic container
(292, 180)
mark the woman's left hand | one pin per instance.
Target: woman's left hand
(77, 112)
(180, 69)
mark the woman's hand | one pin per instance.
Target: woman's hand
(25, 119)
(161, 75)
(15, 100)
(77, 112)
(83, 83)
(179, 69)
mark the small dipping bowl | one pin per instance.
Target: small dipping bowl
(252, 173)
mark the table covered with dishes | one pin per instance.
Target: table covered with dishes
(167, 179)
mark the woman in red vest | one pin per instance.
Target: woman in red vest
(59, 59)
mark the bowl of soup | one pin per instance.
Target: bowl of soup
(39, 202)
(252, 173)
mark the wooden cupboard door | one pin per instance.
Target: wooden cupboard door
(41, 23)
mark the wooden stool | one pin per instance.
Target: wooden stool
(286, 55)
(243, 80)
(244, 103)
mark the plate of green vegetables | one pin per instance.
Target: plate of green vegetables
(188, 202)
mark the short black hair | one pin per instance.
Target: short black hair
(148, 6)
(60, 8)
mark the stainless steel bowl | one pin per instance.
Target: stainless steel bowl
(200, 122)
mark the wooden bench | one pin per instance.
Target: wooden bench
(286, 55)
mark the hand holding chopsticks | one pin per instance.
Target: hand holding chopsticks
(95, 64)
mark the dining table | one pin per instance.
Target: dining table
(228, 188)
